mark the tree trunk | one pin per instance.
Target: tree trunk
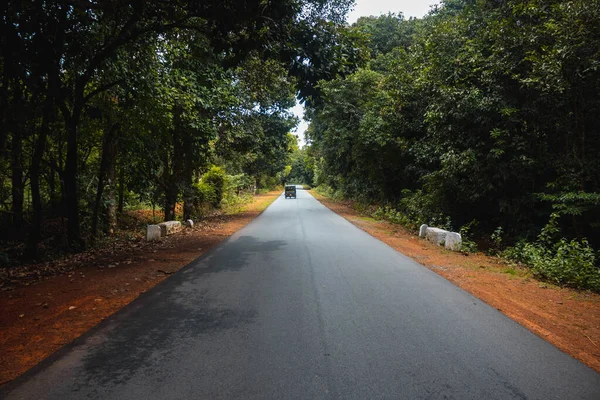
(111, 192)
(121, 186)
(188, 200)
(174, 177)
(50, 179)
(72, 203)
(188, 205)
(106, 166)
(17, 182)
(170, 201)
(35, 233)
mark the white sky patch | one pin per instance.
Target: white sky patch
(364, 8)
(298, 111)
(410, 8)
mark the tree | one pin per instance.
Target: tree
(151, 93)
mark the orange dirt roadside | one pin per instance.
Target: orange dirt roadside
(567, 318)
(39, 319)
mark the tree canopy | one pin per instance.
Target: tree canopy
(482, 115)
(106, 100)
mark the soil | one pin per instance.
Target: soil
(567, 318)
(43, 311)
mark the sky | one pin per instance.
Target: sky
(410, 8)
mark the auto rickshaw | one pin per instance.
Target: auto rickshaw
(290, 191)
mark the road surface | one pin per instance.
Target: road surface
(300, 304)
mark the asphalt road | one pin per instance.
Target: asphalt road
(300, 304)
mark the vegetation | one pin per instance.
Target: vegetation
(108, 104)
(481, 115)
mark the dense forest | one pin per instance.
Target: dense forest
(482, 118)
(108, 104)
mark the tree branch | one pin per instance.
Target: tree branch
(102, 89)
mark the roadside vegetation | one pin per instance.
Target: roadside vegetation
(480, 118)
(181, 108)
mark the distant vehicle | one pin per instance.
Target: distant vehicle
(290, 191)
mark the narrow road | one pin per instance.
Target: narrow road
(300, 304)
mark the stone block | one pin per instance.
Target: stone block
(189, 223)
(169, 227)
(436, 235)
(423, 231)
(453, 241)
(152, 233)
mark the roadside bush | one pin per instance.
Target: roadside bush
(238, 192)
(571, 263)
(392, 215)
(215, 178)
(205, 193)
(236, 184)
(563, 262)
(466, 234)
(324, 190)
(268, 183)
(203, 196)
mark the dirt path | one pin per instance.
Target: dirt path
(567, 318)
(39, 319)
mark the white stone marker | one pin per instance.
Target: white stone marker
(152, 233)
(169, 227)
(453, 241)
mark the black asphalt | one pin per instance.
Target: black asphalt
(300, 304)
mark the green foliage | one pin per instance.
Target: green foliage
(267, 183)
(571, 263)
(239, 183)
(239, 191)
(480, 111)
(564, 262)
(329, 192)
(393, 216)
(497, 238)
(302, 167)
(468, 238)
(205, 194)
(215, 179)
(121, 106)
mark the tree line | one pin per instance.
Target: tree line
(110, 102)
(481, 117)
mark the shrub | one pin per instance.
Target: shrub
(394, 216)
(215, 178)
(468, 244)
(563, 262)
(236, 184)
(571, 263)
(324, 190)
(203, 196)
(268, 182)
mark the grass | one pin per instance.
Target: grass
(260, 202)
(369, 219)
